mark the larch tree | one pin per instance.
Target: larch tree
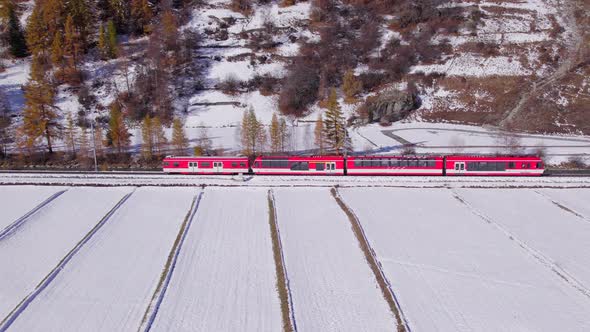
(351, 86)
(159, 135)
(170, 33)
(15, 36)
(40, 116)
(205, 143)
(283, 134)
(37, 34)
(70, 134)
(57, 56)
(98, 141)
(102, 43)
(5, 132)
(83, 145)
(111, 40)
(253, 133)
(335, 127)
(275, 134)
(71, 45)
(142, 15)
(319, 135)
(179, 139)
(118, 135)
(147, 137)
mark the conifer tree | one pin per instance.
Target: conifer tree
(275, 134)
(83, 145)
(57, 56)
(170, 34)
(81, 12)
(70, 134)
(147, 136)
(283, 134)
(111, 40)
(253, 133)
(204, 140)
(320, 138)
(102, 43)
(15, 35)
(37, 35)
(335, 126)
(118, 134)
(351, 86)
(71, 44)
(158, 135)
(142, 15)
(98, 141)
(40, 118)
(179, 139)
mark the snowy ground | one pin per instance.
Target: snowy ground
(35, 248)
(457, 256)
(108, 284)
(225, 276)
(453, 271)
(333, 287)
(18, 200)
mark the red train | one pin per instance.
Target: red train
(453, 165)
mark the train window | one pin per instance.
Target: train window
(539, 165)
(234, 164)
(526, 165)
(242, 165)
(384, 163)
(266, 164)
(257, 164)
(304, 166)
(413, 163)
(175, 164)
(394, 163)
(375, 163)
(205, 164)
(320, 166)
(423, 163)
(166, 164)
(511, 164)
(358, 163)
(403, 163)
(500, 166)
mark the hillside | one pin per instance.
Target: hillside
(520, 65)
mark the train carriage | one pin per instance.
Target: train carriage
(395, 165)
(494, 166)
(298, 165)
(206, 165)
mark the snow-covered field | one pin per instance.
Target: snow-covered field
(30, 253)
(453, 271)
(333, 287)
(16, 201)
(109, 283)
(225, 276)
(458, 254)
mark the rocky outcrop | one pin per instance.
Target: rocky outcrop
(387, 107)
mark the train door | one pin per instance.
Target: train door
(217, 167)
(193, 167)
(330, 168)
(459, 167)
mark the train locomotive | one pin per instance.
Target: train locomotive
(372, 165)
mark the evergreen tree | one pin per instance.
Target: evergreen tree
(147, 136)
(275, 134)
(118, 135)
(70, 134)
(335, 126)
(179, 139)
(15, 36)
(158, 135)
(37, 35)
(5, 134)
(320, 138)
(57, 56)
(40, 118)
(81, 12)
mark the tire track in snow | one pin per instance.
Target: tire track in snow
(544, 260)
(152, 309)
(376, 267)
(289, 323)
(15, 313)
(563, 207)
(20, 221)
